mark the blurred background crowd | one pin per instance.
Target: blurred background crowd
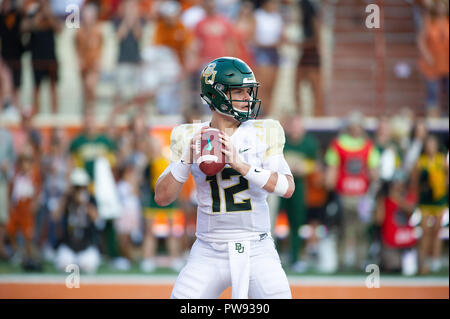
(371, 184)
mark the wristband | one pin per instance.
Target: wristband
(282, 185)
(180, 171)
(258, 176)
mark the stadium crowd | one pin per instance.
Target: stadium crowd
(361, 196)
(163, 66)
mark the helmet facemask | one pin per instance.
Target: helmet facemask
(226, 107)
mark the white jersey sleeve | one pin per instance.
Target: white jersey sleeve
(179, 139)
(273, 158)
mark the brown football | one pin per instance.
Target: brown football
(208, 152)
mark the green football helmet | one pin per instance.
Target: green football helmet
(223, 74)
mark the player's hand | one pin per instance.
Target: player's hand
(195, 142)
(231, 155)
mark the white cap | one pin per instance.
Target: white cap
(169, 8)
(355, 118)
(79, 177)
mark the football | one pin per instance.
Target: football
(208, 152)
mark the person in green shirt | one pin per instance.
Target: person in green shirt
(85, 149)
(301, 152)
(352, 165)
(90, 145)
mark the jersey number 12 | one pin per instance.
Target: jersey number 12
(231, 205)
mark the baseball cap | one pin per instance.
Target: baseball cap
(79, 177)
(169, 8)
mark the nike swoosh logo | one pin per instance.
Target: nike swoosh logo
(244, 150)
(257, 171)
(209, 143)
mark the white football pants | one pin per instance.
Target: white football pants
(207, 273)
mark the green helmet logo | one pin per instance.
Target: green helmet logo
(209, 74)
(226, 73)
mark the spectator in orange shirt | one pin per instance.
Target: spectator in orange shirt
(171, 32)
(433, 43)
(89, 42)
(24, 194)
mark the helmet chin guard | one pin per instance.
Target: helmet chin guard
(222, 75)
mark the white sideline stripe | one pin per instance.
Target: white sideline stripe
(91, 279)
(360, 281)
(350, 281)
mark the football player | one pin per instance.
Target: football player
(234, 246)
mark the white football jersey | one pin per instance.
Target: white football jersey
(229, 207)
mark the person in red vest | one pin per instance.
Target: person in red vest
(392, 214)
(352, 163)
